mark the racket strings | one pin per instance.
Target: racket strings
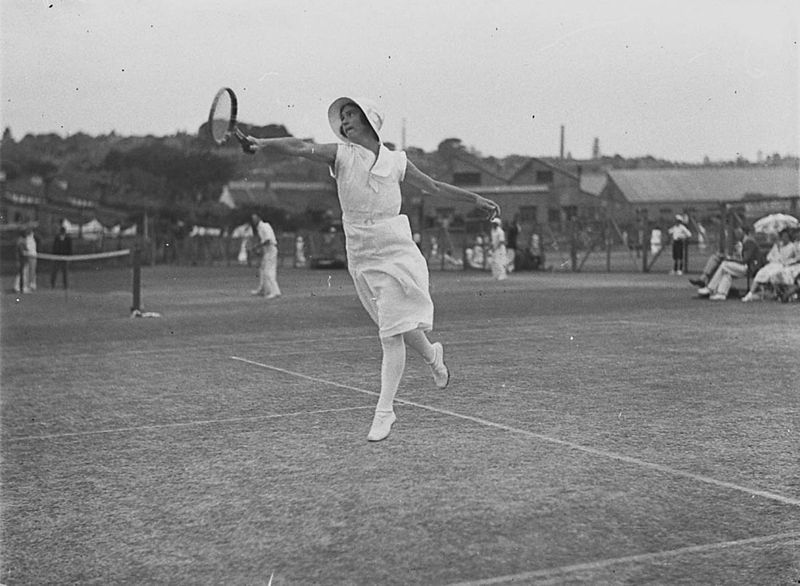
(221, 118)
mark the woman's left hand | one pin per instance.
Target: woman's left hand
(491, 208)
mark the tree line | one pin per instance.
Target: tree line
(179, 178)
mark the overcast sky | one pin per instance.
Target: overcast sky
(676, 79)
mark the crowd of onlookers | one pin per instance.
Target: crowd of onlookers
(771, 275)
(770, 272)
(504, 250)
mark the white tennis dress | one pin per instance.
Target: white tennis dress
(389, 271)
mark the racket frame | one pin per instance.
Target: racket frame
(231, 123)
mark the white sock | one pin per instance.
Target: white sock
(393, 364)
(419, 342)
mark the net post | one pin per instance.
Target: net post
(686, 256)
(607, 234)
(137, 278)
(646, 236)
(723, 224)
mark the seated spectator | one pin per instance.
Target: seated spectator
(787, 282)
(476, 257)
(712, 264)
(747, 254)
(782, 254)
(791, 292)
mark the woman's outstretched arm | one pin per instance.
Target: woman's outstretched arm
(294, 147)
(433, 187)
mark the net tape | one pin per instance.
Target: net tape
(74, 257)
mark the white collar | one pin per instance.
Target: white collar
(383, 163)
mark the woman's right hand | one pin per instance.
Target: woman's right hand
(248, 143)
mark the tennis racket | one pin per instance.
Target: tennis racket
(222, 119)
(258, 249)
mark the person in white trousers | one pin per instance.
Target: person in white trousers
(267, 246)
(499, 258)
(30, 267)
(746, 253)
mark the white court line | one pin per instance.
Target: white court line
(311, 378)
(581, 448)
(173, 425)
(553, 573)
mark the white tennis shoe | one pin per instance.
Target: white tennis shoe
(750, 297)
(441, 374)
(381, 425)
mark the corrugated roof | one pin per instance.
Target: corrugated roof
(549, 164)
(481, 165)
(593, 183)
(706, 184)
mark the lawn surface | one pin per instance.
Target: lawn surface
(598, 429)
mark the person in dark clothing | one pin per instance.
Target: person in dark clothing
(511, 244)
(21, 247)
(679, 234)
(747, 258)
(62, 246)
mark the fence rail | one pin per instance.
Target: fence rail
(580, 246)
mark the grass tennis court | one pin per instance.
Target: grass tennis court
(598, 429)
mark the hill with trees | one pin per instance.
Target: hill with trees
(180, 177)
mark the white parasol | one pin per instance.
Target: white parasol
(774, 223)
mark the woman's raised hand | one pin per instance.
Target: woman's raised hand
(248, 142)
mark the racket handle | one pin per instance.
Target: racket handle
(247, 146)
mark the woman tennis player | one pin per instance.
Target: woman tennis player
(388, 270)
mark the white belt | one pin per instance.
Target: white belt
(359, 219)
